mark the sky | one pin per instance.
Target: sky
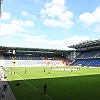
(49, 24)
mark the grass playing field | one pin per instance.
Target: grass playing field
(83, 84)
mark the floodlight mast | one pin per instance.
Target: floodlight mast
(1, 1)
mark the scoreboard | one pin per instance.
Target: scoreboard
(7, 51)
(10, 51)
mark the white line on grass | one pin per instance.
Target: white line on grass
(34, 86)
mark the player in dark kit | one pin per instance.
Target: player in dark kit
(45, 87)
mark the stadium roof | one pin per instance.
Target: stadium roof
(37, 50)
(87, 45)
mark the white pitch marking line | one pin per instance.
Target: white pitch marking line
(34, 87)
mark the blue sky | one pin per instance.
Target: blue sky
(50, 24)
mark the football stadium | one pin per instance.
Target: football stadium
(50, 74)
(69, 74)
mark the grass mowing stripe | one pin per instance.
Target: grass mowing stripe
(34, 86)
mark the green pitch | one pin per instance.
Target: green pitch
(82, 84)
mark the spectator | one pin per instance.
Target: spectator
(5, 87)
(3, 94)
(17, 83)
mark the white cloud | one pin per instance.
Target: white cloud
(55, 14)
(62, 44)
(29, 15)
(37, 1)
(90, 18)
(24, 13)
(8, 30)
(28, 40)
(42, 42)
(22, 23)
(75, 39)
(29, 23)
(5, 16)
(14, 27)
(52, 22)
(10, 44)
(97, 28)
(34, 41)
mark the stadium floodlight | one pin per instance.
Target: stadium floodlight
(1, 1)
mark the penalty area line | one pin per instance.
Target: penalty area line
(34, 86)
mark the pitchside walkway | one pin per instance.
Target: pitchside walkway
(9, 94)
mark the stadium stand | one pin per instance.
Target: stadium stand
(16, 56)
(87, 53)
